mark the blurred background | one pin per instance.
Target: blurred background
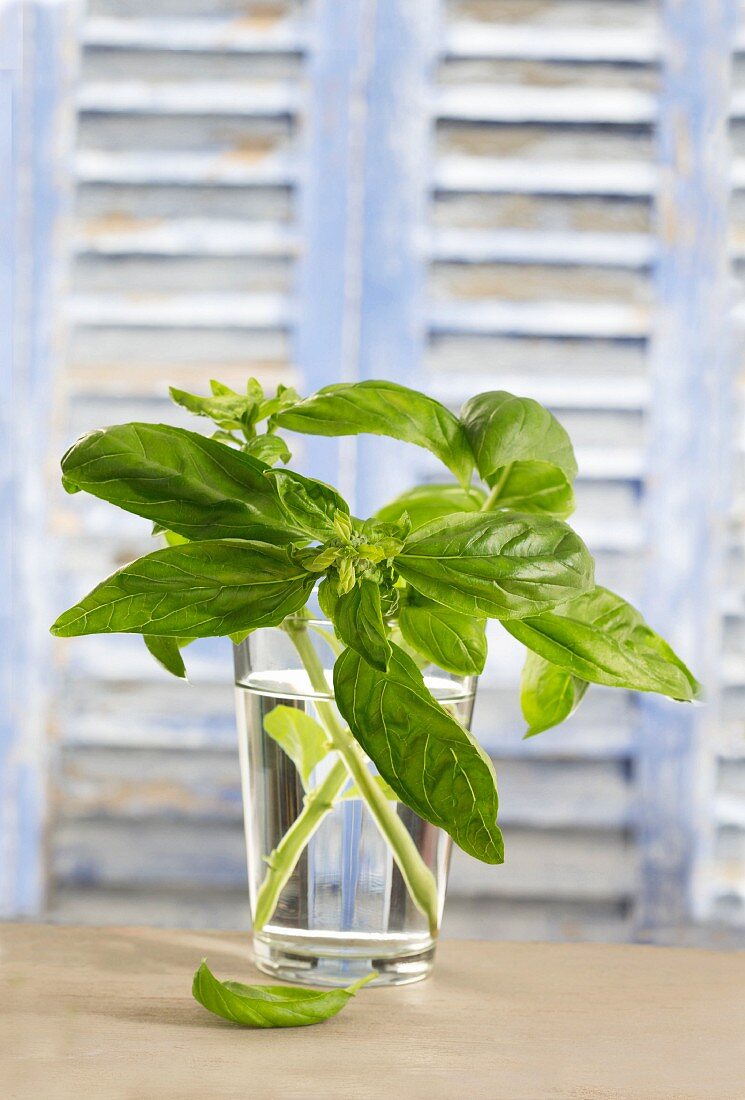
(546, 196)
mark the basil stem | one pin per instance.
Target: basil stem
(281, 863)
(419, 879)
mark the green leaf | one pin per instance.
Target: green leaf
(308, 504)
(189, 484)
(200, 590)
(270, 1005)
(522, 452)
(228, 410)
(548, 694)
(268, 448)
(432, 763)
(302, 738)
(167, 652)
(448, 639)
(496, 564)
(358, 619)
(384, 408)
(601, 638)
(424, 503)
(534, 487)
(353, 790)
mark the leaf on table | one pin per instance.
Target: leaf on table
(270, 1005)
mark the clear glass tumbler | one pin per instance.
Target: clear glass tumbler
(328, 896)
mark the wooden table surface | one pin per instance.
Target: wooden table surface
(94, 1012)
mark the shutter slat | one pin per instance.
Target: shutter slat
(192, 236)
(635, 250)
(514, 175)
(190, 98)
(222, 35)
(192, 310)
(504, 41)
(507, 103)
(224, 169)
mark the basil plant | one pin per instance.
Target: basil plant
(249, 540)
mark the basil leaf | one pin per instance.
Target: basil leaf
(167, 652)
(514, 439)
(384, 408)
(358, 619)
(307, 503)
(496, 564)
(199, 590)
(302, 738)
(189, 484)
(228, 409)
(448, 639)
(601, 638)
(548, 694)
(432, 763)
(270, 1005)
(427, 502)
(268, 448)
(534, 487)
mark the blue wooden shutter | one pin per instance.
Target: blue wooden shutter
(471, 190)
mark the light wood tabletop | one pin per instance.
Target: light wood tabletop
(107, 1012)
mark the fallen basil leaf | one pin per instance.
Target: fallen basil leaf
(182, 481)
(496, 564)
(601, 638)
(432, 762)
(384, 408)
(302, 738)
(548, 694)
(270, 1005)
(200, 590)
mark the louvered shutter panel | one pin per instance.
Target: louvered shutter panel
(470, 188)
(723, 882)
(187, 166)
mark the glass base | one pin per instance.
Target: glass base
(318, 961)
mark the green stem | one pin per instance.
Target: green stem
(283, 860)
(493, 497)
(417, 876)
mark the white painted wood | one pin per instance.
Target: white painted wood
(520, 103)
(219, 34)
(634, 250)
(508, 41)
(192, 310)
(224, 169)
(193, 237)
(190, 97)
(514, 175)
(607, 320)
